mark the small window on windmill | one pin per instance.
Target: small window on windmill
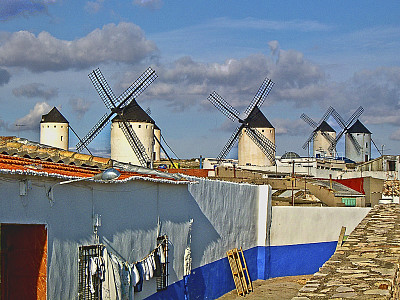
(140, 126)
(366, 145)
(48, 126)
(61, 138)
(55, 126)
(262, 130)
(62, 126)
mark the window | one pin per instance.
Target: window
(62, 126)
(366, 145)
(55, 126)
(61, 138)
(140, 125)
(48, 126)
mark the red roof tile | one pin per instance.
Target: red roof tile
(34, 166)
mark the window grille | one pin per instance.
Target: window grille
(162, 280)
(85, 254)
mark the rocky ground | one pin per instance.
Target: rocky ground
(279, 288)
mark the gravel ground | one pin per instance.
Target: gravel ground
(280, 288)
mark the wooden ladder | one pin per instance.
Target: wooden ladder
(240, 272)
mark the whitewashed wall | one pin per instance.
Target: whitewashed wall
(301, 225)
(222, 213)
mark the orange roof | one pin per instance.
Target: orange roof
(19, 165)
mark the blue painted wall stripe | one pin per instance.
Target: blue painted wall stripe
(215, 279)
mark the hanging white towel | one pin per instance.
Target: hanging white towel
(149, 267)
(162, 256)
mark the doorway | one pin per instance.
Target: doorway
(23, 261)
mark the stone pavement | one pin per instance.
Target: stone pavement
(366, 266)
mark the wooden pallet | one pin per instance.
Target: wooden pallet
(240, 272)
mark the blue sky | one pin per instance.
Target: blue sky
(318, 53)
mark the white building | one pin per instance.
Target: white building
(54, 130)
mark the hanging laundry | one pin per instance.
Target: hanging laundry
(109, 291)
(139, 285)
(158, 268)
(134, 275)
(149, 268)
(125, 281)
(162, 255)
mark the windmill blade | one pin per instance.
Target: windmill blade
(326, 115)
(74, 132)
(379, 151)
(94, 131)
(135, 144)
(169, 158)
(103, 89)
(338, 137)
(339, 119)
(330, 138)
(355, 116)
(260, 96)
(308, 120)
(137, 87)
(266, 146)
(232, 140)
(223, 106)
(308, 141)
(355, 143)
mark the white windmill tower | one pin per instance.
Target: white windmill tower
(322, 137)
(358, 143)
(131, 124)
(250, 153)
(142, 124)
(256, 135)
(54, 129)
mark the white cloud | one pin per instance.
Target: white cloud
(94, 6)
(79, 106)
(32, 119)
(35, 90)
(152, 4)
(124, 42)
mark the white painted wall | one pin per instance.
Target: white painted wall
(300, 225)
(222, 213)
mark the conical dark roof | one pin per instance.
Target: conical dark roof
(54, 116)
(258, 120)
(324, 127)
(134, 113)
(358, 127)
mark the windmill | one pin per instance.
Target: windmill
(251, 116)
(357, 136)
(117, 108)
(323, 135)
